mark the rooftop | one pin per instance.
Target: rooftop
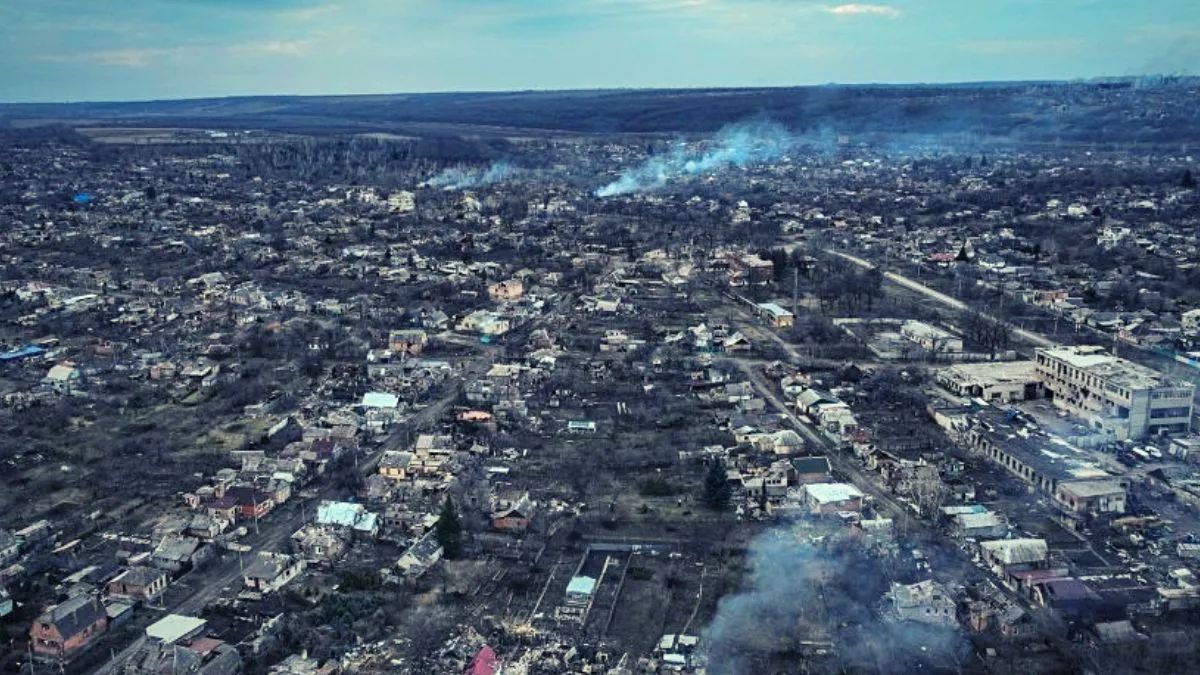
(833, 492)
(581, 585)
(1050, 456)
(174, 627)
(1094, 361)
(1017, 551)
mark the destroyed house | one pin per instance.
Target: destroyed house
(271, 571)
(513, 515)
(348, 515)
(177, 554)
(411, 341)
(138, 583)
(202, 656)
(924, 602)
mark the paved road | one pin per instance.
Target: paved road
(847, 467)
(278, 527)
(954, 303)
(275, 529)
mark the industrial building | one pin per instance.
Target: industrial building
(1071, 477)
(993, 382)
(1124, 398)
(931, 338)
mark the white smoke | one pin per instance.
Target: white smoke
(458, 178)
(736, 145)
(800, 592)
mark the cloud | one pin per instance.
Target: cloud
(273, 47)
(311, 13)
(856, 9)
(116, 58)
(139, 57)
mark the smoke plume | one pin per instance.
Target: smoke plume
(737, 145)
(458, 178)
(804, 599)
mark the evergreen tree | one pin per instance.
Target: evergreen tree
(717, 492)
(1188, 181)
(449, 531)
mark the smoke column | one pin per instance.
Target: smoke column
(799, 592)
(736, 145)
(457, 178)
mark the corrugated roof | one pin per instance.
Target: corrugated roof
(828, 493)
(1017, 551)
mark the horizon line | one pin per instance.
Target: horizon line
(443, 92)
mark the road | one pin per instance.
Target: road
(837, 460)
(281, 524)
(1029, 336)
(275, 529)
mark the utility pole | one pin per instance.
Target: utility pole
(795, 292)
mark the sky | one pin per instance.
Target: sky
(113, 50)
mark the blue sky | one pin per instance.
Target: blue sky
(70, 50)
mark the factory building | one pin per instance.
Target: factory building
(1125, 398)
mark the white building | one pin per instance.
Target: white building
(924, 602)
(401, 202)
(1120, 396)
(931, 338)
(993, 382)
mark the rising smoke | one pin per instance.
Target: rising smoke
(736, 145)
(457, 178)
(802, 597)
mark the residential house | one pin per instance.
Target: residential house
(395, 464)
(140, 584)
(66, 629)
(250, 503)
(777, 316)
(318, 545)
(828, 498)
(271, 571)
(10, 547)
(1008, 555)
(512, 514)
(177, 554)
(931, 338)
(63, 377)
(511, 289)
(201, 656)
(410, 342)
(419, 557)
(809, 470)
(981, 525)
(348, 516)
(924, 602)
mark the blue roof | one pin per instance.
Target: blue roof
(581, 585)
(21, 352)
(345, 514)
(82, 198)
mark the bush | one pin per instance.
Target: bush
(657, 487)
